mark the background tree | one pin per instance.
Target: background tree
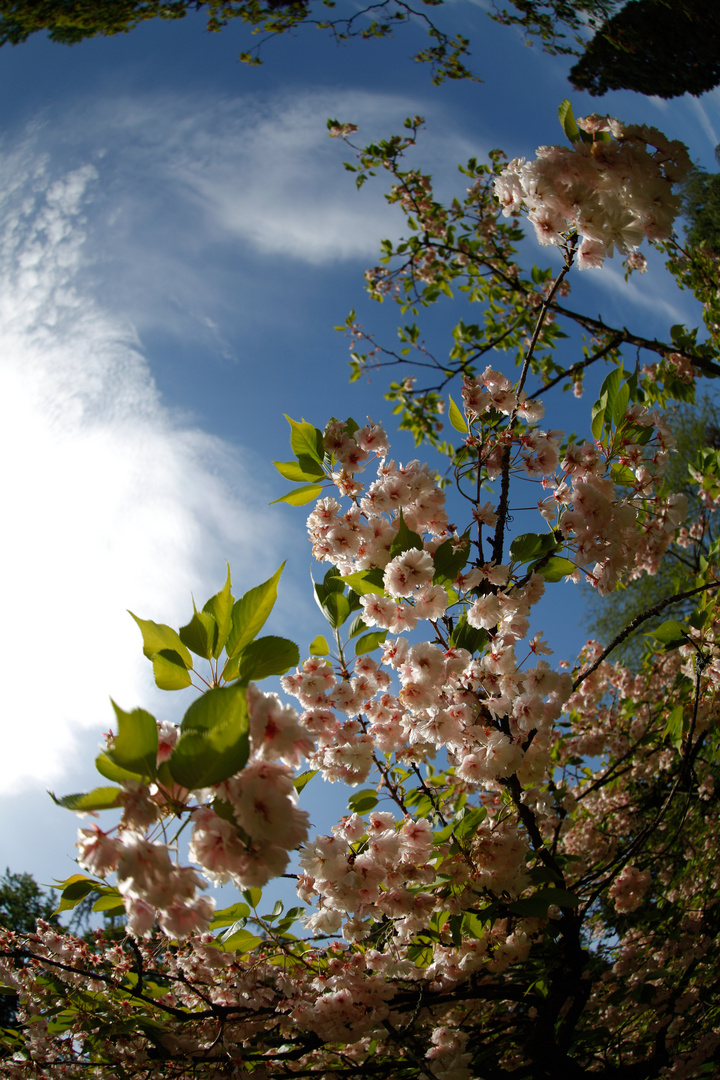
(22, 903)
(71, 21)
(659, 47)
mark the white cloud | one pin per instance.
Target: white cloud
(109, 500)
(109, 214)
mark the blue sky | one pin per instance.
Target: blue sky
(177, 239)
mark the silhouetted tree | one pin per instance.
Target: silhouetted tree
(657, 47)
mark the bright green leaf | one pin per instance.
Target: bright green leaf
(135, 746)
(362, 801)
(370, 641)
(102, 798)
(267, 656)
(200, 634)
(213, 743)
(158, 636)
(227, 916)
(241, 941)
(319, 646)
(220, 607)
(456, 418)
(300, 496)
(336, 609)
(366, 581)
(305, 440)
(300, 471)
(250, 613)
(303, 779)
(169, 670)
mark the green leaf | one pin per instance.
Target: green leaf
(450, 559)
(470, 821)
(170, 671)
(370, 641)
(200, 634)
(220, 607)
(405, 540)
(111, 771)
(241, 941)
(456, 418)
(556, 568)
(674, 727)
(250, 613)
(303, 779)
(267, 656)
(529, 546)
(331, 583)
(252, 896)
(300, 496)
(620, 404)
(158, 636)
(213, 742)
(336, 609)
(229, 915)
(622, 475)
(306, 440)
(111, 903)
(465, 636)
(305, 468)
(102, 798)
(75, 889)
(567, 121)
(135, 746)
(366, 581)
(670, 633)
(597, 417)
(362, 801)
(319, 646)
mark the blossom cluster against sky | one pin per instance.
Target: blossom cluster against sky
(177, 238)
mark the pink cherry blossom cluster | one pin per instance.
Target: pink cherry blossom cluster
(614, 193)
(248, 843)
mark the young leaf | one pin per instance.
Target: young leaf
(213, 742)
(336, 609)
(304, 469)
(102, 798)
(450, 558)
(267, 656)
(300, 496)
(303, 779)
(405, 539)
(306, 440)
(240, 941)
(456, 418)
(169, 671)
(319, 646)
(529, 546)
(556, 568)
(220, 607)
(107, 768)
(362, 801)
(135, 746)
(369, 642)
(158, 636)
(229, 915)
(365, 581)
(200, 634)
(250, 613)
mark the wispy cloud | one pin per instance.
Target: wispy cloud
(109, 500)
